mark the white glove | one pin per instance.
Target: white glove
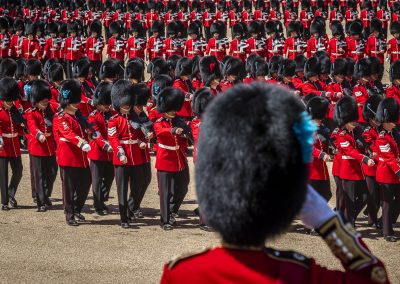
(315, 211)
(86, 148)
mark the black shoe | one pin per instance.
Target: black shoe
(41, 209)
(48, 203)
(72, 222)
(105, 208)
(167, 227)
(80, 217)
(125, 225)
(138, 214)
(100, 212)
(13, 202)
(206, 228)
(391, 239)
(5, 208)
(34, 200)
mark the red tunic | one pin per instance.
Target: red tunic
(257, 46)
(98, 151)
(73, 48)
(217, 48)
(94, 48)
(393, 92)
(9, 131)
(355, 48)
(370, 135)
(5, 49)
(154, 47)
(337, 49)
(361, 96)
(186, 110)
(52, 48)
(238, 49)
(318, 168)
(316, 44)
(116, 48)
(135, 47)
(388, 169)
(294, 47)
(195, 127)
(376, 47)
(172, 46)
(194, 47)
(30, 48)
(393, 51)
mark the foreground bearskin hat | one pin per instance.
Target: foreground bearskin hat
(39, 91)
(209, 69)
(376, 26)
(135, 69)
(270, 27)
(157, 27)
(259, 67)
(52, 28)
(141, 94)
(96, 27)
(172, 29)
(115, 28)
(33, 67)
(217, 28)
(170, 99)
(337, 28)
(362, 69)
(8, 67)
(349, 66)
(183, 67)
(70, 93)
(73, 27)
(237, 29)
(395, 28)
(345, 111)
(122, 94)
(109, 69)
(81, 68)
(254, 27)
(3, 23)
(317, 107)
(265, 168)
(55, 73)
(370, 107)
(157, 66)
(194, 28)
(234, 66)
(325, 63)
(312, 67)
(339, 66)
(287, 68)
(355, 28)
(249, 62)
(136, 26)
(394, 72)
(294, 26)
(171, 62)
(9, 89)
(201, 98)
(274, 63)
(317, 28)
(300, 61)
(102, 94)
(388, 111)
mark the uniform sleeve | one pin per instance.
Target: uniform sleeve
(113, 138)
(33, 125)
(100, 140)
(65, 131)
(317, 153)
(386, 153)
(162, 131)
(371, 140)
(347, 149)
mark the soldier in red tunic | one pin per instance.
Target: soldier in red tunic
(155, 42)
(172, 44)
(182, 81)
(233, 72)
(337, 44)
(94, 46)
(11, 126)
(73, 48)
(136, 44)
(5, 39)
(17, 38)
(52, 47)
(238, 46)
(30, 45)
(294, 44)
(242, 221)
(210, 73)
(362, 75)
(218, 44)
(393, 91)
(317, 42)
(275, 41)
(356, 42)
(376, 43)
(393, 51)
(195, 45)
(116, 43)
(257, 43)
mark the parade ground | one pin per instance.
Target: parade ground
(42, 248)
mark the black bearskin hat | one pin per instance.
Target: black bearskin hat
(8, 67)
(151, 5)
(172, 29)
(109, 69)
(274, 63)
(388, 111)
(394, 72)
(294, 26)
(136, 26)
(255, 27)
(135, 69)
(62, 28)
(300, 61)
(157, 66)
(339, 66)
(337, 28)
(370, 107)
(376, 26)
(287, 68)
(376, 66)
(249, 61)
(159, 83)
(33, 67)
(201, 98)
(259, 67)
(39, 91)
(345, 111)
(312, 67)
(217, 28)
(170, 99)
(209, 69)
(115, 28)
(237, 29)
(270, 27)
(141, 94)
(73, 27)
(55, 73)
(325, 63)
(349, 66)
(21, 68)
(171, 62)
(157, 27)
(317, 107)
(70, 93)
(250, 187)
(81, 68)
(183, 67)
(19, 25)
(9, 89)
(362, 69)
(52, 28)
(3, 23)
(102, 94)
(395, 28)
(234, 66)
(194, 28)
(31, 29)
(122, 94)
(96, 27)
(317, 28)
(396, 7)
(355, 28)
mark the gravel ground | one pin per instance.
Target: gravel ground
(40, 247)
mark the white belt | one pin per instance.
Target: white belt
(337, 54)
(193, 52)
(347, 158)
(395, 52)
(63, 139)
(173, 148)
(380, 159)
(12, 135)
(128, 142)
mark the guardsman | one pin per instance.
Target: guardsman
(17, 38)
(336, 14)
(242, 239)
(155, 42)
(362, 75)
(294, 44)
(208, 18)
(101, 152)
(183, 71)
(72, 131)
(317, 42)
(52, 47)
(306, 15)
(55, 76)
(134, 70)
(30, 45)
(238, 46)
(94, 46)
(116, 43)
(257, 43)
(151, 15)
(337, 44)
(336, 87)
(275, 42)
(313, 85)
(42, 145)
(11, 126)
(376, 44)
(73, 48)
(81, 72)
(351, 13)
(195, 45)
(393, 51)
(367, 15)
(384, 15)
(233, 72)
(356, 42)
(210, 73)
(172, 44)
(136, 43)
(393, 91)
(5, 39)
(218, 44)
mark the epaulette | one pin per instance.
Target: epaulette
(343, 132)
(93, 112)
(160, 119)
(60, 113)
(185, 256)
(114, 116)
(29, 109)
(289, 256)
(382, 134)
(367, 129)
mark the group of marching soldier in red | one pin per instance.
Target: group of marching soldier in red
(97, 120)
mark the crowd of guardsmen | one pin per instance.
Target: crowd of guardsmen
(96, 119)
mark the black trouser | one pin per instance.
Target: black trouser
(207, 33)
(44, 171)
(102, 179)
(142, 179)
(127, 176)
(373, 201)
(323, 187)
(355, 198)
(69, 68)
(32, 177)
(96, 68)
(339, 194)
(390, 195)
(173, 187)
(75, 186)
(8, 190)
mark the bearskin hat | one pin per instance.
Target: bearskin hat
(19, 25)
(62, 28)
(249, 62)
(8, 67)
(217, 28)
(300, 61)
(9, 89)
(39, 91)
(33, 67)
(376, 66)
(317, 28)
(151, 5)
(395, 28)
(157, 27)
(136, 26)
(243, 195)
(21, 68)
(337, 28)
(325, 63)
(388, 111)
(172, 28)
(255, 27)
(351, 3)
(109, 69)
(73, 27)
(170, 99)
(55, 73)
(396, 7)
(287, 68)
(70, 93)
(159, 83)
(157, 66)
(305, 4)
(234, 66)
(102, 94)
(335, 4)
(317, 107)
(355, 28)
(171, 62)
(201, 98)
(394, 72)
(194, 28)
(362, 69)
(96, 27)
(274, 63)
(183, 67)
(209, 5)
(135, 69)
(370, 107)
(339, 66)
(115, 28)
(31, 29)
(81, 68)
(237, 29)
(376, 26)
(312, 67)
(209, 69)
(3, 23)
(345, 111)
(349, 66)
(141, 93)
(122, 94)
(52, 28)
(259, 67)
(294, 26)
(271, 27)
